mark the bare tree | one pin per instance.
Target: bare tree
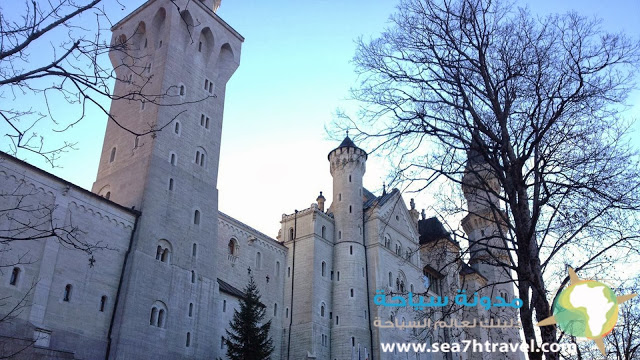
(74, 70)
(525, 114)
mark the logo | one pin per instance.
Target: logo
(587, 309)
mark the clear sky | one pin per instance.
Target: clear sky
(295, 71)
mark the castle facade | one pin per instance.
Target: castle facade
(171, 267)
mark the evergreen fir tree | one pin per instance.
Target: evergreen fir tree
(247, 339)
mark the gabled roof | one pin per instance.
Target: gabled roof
(372, 200)
(468, 270)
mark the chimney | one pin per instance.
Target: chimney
(320, 201)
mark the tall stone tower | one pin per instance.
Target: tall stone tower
(184, 53)
(350, 323)
(486, 233)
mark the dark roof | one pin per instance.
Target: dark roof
(468, 270)
(373, 200)
(348, 143)
(474, 155)
(230, 289)
(431, 229)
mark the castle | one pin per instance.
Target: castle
(170, 276)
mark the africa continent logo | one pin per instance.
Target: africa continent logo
(587, 309)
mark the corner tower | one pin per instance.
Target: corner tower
(350, 325)
(180, 54)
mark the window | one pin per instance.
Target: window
(277, 269)
(67, 293)
(351, 250)
(103, 303)
(349, 178)
(172, 159)
(233, 247)
(153, 320)
(196, 217)
(206, 84)
(337, 320)
(202, 159)
(15, 275)
(286, 313)
(176, 128)
(324, 268)
(322, 310)
(353, 341)
(390, 279)
(339, 197)
(194, 249)
(197, 157)
(204, 121)
(323, 232)
(351, 292)
(289, 271)
(107, 195)
(434, 281)
(200, 46)
(222, 342)
(181, 90)
(161, 315)
(136, 142)
(338, 276)
(275, 309)
(258, 260)
(142, 104)
(387, 242)
(188, 342)
(193, 277)
(291, 233)
(190, 309)
(224, 305)
(112, 157)
(349, 209)
(163, 251)
(339, 234)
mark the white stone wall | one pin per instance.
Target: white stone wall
(47, 266)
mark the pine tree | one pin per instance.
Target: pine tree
(248, 340)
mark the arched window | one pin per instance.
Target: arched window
(163, 251)
(193, 277)
(286, 313)
(288, 271)
(258, 260)
(176, 128)
(196, 217)
(194, 249)
(67, 293)
(323, 232)
(172, 159)
(353, 341)
(107, 195)
(15, 275)
(339, 197)
(190, 309)
(277, 269)
(338, 276)
(232, 247)
(170, 184)
(202, 159)
(198, 157)
(188, 343)
(349, 178)
(275, 309)
(322, 310)
(387, 242)
(349, 209)
(351, 250)
(103, 303)
(351, 292)
(112, 157)
(181, 90)
(324, 268)
(224, 305)
(337, 320)
(291, 233)
(390, 279)
(339, 234)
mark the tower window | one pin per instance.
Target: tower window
(188, 343)
(190, 309)
(172, 159)
(193, 277)
(350, 250)
(349, 178)
(171, 184)
(112, 157)
(339, 197)
(67, 293)
(349, 209)
(194, 249)
(176, 128)
(291, 233)
(338, 276)
(206, 84)
(103, 303)
(353, 341)
(224, 305)
(136, 141)
(210, 87)
(289, 271)
(15, 275)
(181, 90)
(351, 292)
(200, 46)
(324, 268)
(323, 233)
(275, 309)
(277, 269)
(196, 217)
(337, 320)
(322, 310)
(142, 104)
(258, 260)
(198, 157)
(339, 234)
(233, 247)
(107, 195)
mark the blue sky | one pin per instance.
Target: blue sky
(295, 71)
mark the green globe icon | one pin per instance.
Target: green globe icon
(586, 309)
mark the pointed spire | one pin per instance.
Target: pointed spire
(384, 189)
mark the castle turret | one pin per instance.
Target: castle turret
(486, 233)
(350, 325)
